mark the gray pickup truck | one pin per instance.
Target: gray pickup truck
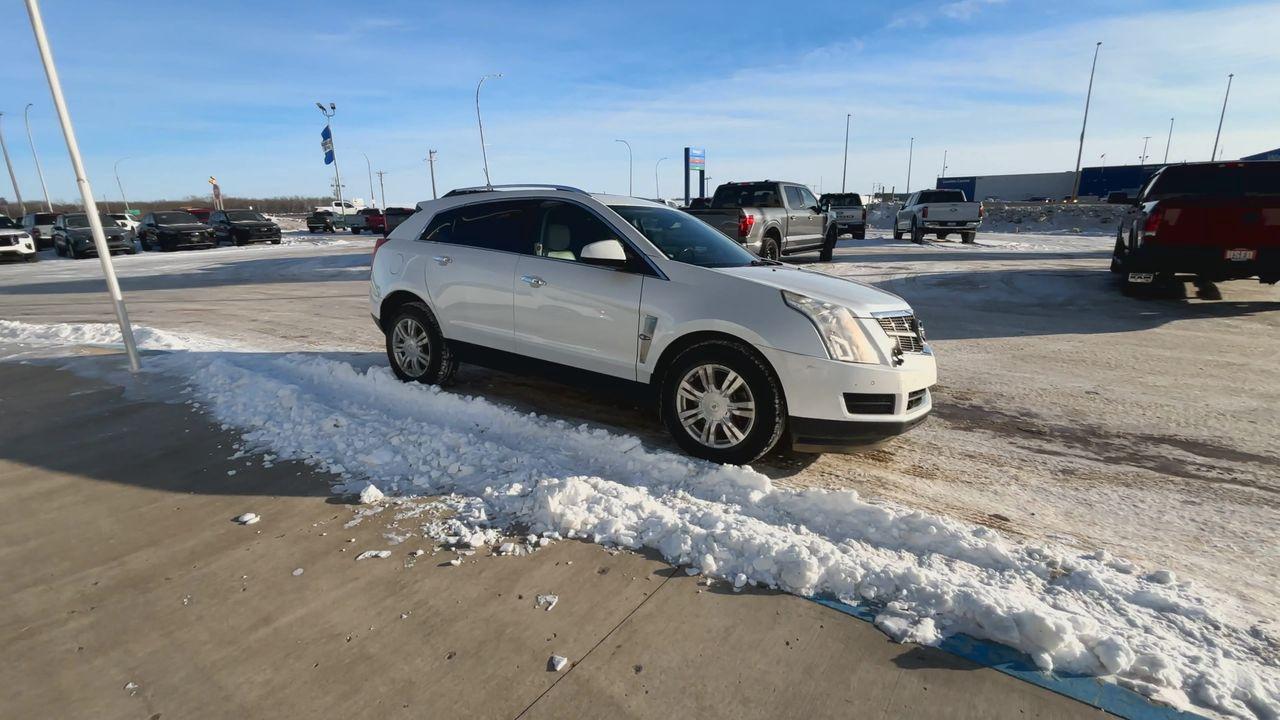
(770, 218)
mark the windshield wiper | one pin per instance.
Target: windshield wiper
(759, 262)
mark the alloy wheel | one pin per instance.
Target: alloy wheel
(715, 406)
(412, 346)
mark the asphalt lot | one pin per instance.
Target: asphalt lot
(1065, 412)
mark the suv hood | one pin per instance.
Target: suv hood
(107, 230)
(862, 299)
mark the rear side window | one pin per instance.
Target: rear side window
(505, 226)
(942, 196)
(1252, 179)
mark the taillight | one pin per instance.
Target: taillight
(381, 241)
(981, 211)
(925, 213)
(1152, 224)
(745, 223)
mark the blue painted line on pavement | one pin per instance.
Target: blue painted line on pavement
(1087, 689)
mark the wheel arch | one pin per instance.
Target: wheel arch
(677, 346)
(393, 302)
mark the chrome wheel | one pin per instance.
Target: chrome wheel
(411, 346)
(715, 406)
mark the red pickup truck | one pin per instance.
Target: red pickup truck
(1214, 221)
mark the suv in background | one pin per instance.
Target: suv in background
(241, 227)
(770, 218)
(73, 237)
(1214, 221)
(847, 212)
(325, 221)
(16, 242)
(40, 226)
(736, 351)
(173, 230)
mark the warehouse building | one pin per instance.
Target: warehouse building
(1095, 182)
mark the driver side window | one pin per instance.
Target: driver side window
(795, 200)
(807, 197)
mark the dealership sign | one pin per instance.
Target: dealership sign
(697, 159)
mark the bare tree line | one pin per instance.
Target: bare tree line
(290, 204)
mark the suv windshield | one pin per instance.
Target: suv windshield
(942, 196)
(740, 195)
(1251, 179)
(45, 218)
(684, 238)
(7, 224)
(82, 221)
(236, 215)
(176, 218)
(841, 200)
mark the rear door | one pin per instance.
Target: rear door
(569, 312)
(804, 225)
(469, 255)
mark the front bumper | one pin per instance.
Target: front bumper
(114, 245)
(22, 248)
(820, 416)
(174, 242)
(1207, 262)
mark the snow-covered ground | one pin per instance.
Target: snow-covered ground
(1039, 218)
(1051, 588)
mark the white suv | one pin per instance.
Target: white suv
(736, 350)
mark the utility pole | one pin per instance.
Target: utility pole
(630, 168)
(483, 152)
(384, 190)
(337, 176)
(1168, 142)
(1215, 137)
(26, 115)
(1075, 187)
(1145, 139)
(845, 172)
(372, 198)
(944, 164)
(657, 194)
(121, 185)
(431, 160)
(12, 178)
(86, 192)
(911, 149)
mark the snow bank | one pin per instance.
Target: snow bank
(928, 576)
(1039, 218)
(20, 333)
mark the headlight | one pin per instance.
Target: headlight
(839, 330)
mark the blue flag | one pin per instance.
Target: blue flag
(326, 142)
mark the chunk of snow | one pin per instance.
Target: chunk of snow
(455, 562)
(558, 662)
(373, 554)
(248, 518)
(297, 572)
(371, 494)
(546, 602)
(1162, 577)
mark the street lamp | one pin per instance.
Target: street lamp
(630, 167)
(1220, 117)
(483, 153)
(12, 178)
(1145, 139)
(121, 185)
(26, 115)
(657, 194)
(369, 166)
(328, 113)
(845, 172)
(1075, 188)
(1168, 142)
(911, 149)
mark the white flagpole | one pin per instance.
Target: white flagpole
(86, 192)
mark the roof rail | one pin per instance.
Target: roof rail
(515, 186)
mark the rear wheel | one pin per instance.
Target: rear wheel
(860, 233)
(769, 248)
(917, 235)
(33, 258)
(897, 234)
(1117, 256)
(416, 348)
(355, 231)
(721, 402)
(828, 245)
(967, 237)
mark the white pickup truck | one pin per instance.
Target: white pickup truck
(341, 208)
(938, 211)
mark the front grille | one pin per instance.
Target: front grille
(868, 404)
(905, 330)
(916, 399)
(9, 241)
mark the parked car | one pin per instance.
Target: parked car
(40, 226)
(173, 230)
(738, 352)
(369, 220)
(124, 220)
(15, 242)
(938, 211)
(73, 237)
(847, 212)
(1213, 221)
(344, 207)
(770, 218)
(240, 227)
(393, 216)
(201, 214)
(325, 221)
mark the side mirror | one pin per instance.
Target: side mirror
(605, 253)
(815, 209)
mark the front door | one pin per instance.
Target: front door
(569, 312)
(804, 226)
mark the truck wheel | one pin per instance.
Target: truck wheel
(860, 233)
(769, 248)
(355, 231)
(917, 235)
(943, 236)
(416, 348)
(897, 234)
(967, 237)
(722, 402)
(1117, 256)
(828, 246)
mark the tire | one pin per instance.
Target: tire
(860, 234)
(57, 250)
(967, 237)
(943, 236)
(917, 235)
(769, 248)
(33, 258)
(897, 234)
(433, 363)
(275, 241)
(828, 246)
(760, 387)
(355, 231)
(1117, 256)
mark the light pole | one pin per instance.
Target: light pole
(384, 190)
(484, 153)
(337, 176)
(1168, 142)
(431, 160)
(657, 194)
(1075, 187)
(121, 185)
(845, 172)
(944, 164)
(26, 115)
(1220, 118)
(911, 149)
(369, 166)
(1145, 139)
(82, 180)
(630, 167)
(1103, 158)
(12, 178)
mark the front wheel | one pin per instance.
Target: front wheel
(917, 235)
(897, 234)
(828, 246)
(722, 402)
(416, 347)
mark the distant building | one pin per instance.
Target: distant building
(1095, 182)
(1268, 155)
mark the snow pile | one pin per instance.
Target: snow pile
(20, 333)
(927, 576)
(1040, 218)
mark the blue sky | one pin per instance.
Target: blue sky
(188, 90)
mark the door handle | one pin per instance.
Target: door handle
(533, 281)
(442, 260)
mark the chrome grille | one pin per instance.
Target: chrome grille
(905, 330)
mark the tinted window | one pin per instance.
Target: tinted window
(683, 237)
(505, 226)
(942, 196)
(8, 224)
(1251, 179)
(842, 199)
(243, 215)
(747, 195)
(176, 218)
(82, 221)
(807, 198)
(44, 218)
(794, 198)
(564, 229)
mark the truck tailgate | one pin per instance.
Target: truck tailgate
(1247, 222)
(950, 212)
(726, 221)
